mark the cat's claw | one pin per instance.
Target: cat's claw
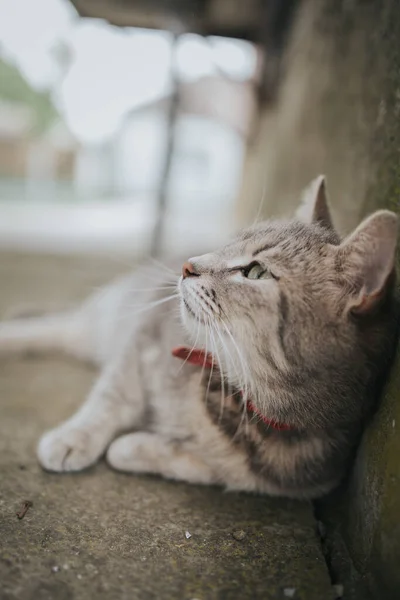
(68, 448)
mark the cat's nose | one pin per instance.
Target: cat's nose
(188, 270)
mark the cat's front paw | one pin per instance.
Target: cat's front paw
(68, 448)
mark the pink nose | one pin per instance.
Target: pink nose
(188, 270)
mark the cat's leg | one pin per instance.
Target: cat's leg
(87, 332)
(68, 332)
(150, 453)
(81, 440)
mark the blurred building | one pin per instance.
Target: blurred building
(164, 168)
(36, 147)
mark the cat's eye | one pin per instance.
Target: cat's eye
(256, 271)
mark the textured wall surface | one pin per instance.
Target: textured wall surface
(339, 114)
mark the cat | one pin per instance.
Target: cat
(285, 335)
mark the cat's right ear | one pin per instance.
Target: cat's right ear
(314, 206)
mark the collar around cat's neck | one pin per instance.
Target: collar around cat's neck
(198, 357)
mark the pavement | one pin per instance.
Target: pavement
(105, 535)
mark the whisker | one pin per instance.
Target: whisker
(205, 356)
(160, 277)
(241, 359)
(154, 289)
(191, 351)
(167, 285)
(245, 391)
(207, 350)
(159, 264)
(260, 206)
(225, 347)
(149, 306)
(221, 370)
(99, 294)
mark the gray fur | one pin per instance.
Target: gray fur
(310, 345)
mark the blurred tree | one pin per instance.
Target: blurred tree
(16, 90)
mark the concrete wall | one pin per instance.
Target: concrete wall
(334, 107)
(339, 114)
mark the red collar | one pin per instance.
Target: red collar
(200, 358)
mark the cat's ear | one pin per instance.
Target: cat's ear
(367, 257)
(314, 206)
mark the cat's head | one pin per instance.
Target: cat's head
(291, 297)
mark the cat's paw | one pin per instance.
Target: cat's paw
(69, 448)
(137, 452)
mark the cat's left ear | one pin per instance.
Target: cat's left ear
(314, 207)
(367, 259)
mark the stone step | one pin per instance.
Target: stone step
(104, 535)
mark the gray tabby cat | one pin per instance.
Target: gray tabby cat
(292, 332)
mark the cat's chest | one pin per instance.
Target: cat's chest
(228, 410)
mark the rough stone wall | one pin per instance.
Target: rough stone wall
(339, 114)
(334, 111)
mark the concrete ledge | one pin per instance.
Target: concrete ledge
(104, 535)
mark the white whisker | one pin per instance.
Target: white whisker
(205, 355)
(154, 289)
(212, 364)
(191, 351)
(159, 277)
(163, 267)
(148, 307)
(260, 206)
(242, 362)
(225, 347)
(244, 390)
(221, 370)
(139, 290)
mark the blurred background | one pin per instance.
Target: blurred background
(124, 126)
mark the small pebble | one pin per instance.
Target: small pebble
(79, 576)
(55, 569)
(188, 535)
(65, 567)
(339, 590)
(394, 423)
(239, 534)
(289, 592)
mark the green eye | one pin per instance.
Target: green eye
(256, 271)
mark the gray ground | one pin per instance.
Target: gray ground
(101, 534)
